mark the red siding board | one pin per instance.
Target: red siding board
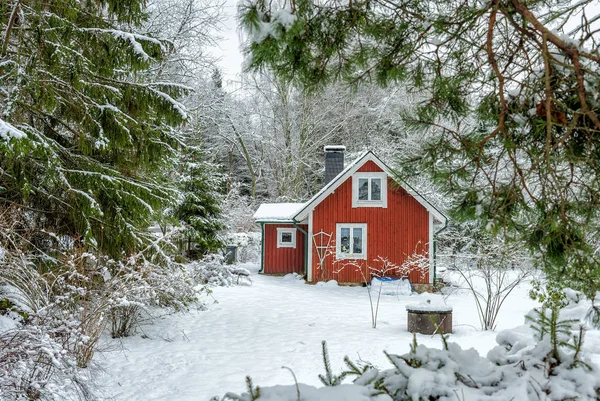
(395, 232)
(283, 260)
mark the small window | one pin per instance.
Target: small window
(351, 241)
(369, 190)
(286, 238)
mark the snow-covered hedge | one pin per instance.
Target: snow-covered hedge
(541, 361)
(212, 271)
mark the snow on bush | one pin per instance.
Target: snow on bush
(543, 361)
(248, 246)
(55, 308)
(238, 210)
(212, 271)
(35, 365)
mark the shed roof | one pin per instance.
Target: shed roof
(277, 212)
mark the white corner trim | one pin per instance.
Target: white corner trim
(310, 248)
(280, 232)
(369, 203)
(338, 243)
(430, 248)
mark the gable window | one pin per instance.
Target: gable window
(286, 238)
(351, 241)
(369, 190)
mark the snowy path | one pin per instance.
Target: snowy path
(254, 330)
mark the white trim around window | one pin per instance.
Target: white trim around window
(286, 237)
(351, 241)
(369, 190)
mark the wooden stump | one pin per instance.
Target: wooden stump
(427, 319)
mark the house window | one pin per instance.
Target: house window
(369, 190)
(286, 238)
(351, 241)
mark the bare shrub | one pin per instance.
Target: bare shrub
(35, 364)
(489, 268)
(384, 269)
(125, 319)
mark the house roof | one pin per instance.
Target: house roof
(351, 169)
(290, 212)
(277, 212)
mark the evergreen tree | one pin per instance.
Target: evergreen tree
(510, 103)
(199, 210)
(83, 132)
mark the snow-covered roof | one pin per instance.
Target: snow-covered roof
(334, 148)
(277, 212)
(288, 212)
(351, 169)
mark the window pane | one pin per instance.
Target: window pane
(376, 189)
(363, 189)
(286, 238)
(357, 245)
(345, 240)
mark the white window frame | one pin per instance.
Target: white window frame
(280, 232)
(369, 203)
(338, 242)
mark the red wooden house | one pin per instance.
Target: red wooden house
(363, 214)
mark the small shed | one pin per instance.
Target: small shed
(364, 218)
(283, 241)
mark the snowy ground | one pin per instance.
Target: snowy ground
(255, 330)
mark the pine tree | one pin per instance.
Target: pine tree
(510, 103)
(199, 210)
(83, 131)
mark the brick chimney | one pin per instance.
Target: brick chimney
(334, 161)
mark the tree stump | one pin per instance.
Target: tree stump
(426, 318)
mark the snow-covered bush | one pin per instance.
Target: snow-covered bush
(544, 361)
(81, 293)
(213, 272)
(134, 288)
(125, 319)
(35, 365)
(248, 245)
(238, 210)
(54, 332)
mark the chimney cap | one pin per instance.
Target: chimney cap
(334, 148)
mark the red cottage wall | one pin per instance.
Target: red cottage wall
(394, 232)
(283, 260)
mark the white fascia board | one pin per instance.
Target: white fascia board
(279, 221)
(274, 221)
(349, 171)
(333, 185)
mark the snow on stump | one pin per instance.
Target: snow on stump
(426, 318)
